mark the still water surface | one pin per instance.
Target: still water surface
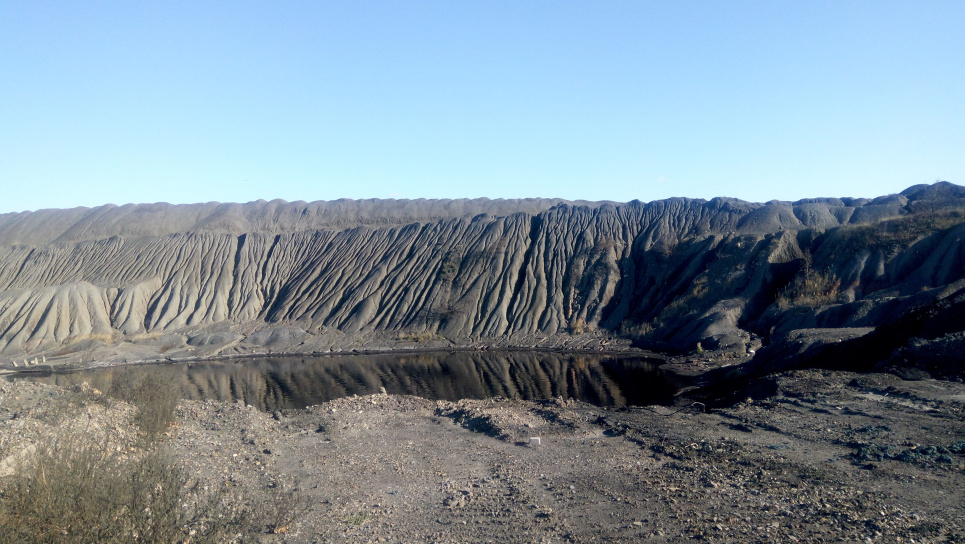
(277, 383)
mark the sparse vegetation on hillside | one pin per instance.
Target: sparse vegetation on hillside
(450, 264)
(419, 337)
(814, 289)
(636, 330)
(578, 326)
(898, 232)
(810, 288)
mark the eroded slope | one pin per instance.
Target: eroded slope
(339, 275)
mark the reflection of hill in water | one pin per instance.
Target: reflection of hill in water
(293, 382)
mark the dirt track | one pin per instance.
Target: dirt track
(834, 457)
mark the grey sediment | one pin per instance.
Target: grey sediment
(714, 284)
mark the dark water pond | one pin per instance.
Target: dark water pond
(276, 383)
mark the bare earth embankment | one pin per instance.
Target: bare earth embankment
(832, 457)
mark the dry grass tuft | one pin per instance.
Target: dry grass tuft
(423, 336)
(81, 486)
(812, 289)
(155, 398)
(74, 490)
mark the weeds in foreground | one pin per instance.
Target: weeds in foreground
(76, 491)
(155, 398)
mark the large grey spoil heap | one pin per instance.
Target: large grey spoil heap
(139, 281)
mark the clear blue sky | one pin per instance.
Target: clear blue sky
(117, 102)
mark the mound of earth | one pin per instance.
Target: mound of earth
(153, 282)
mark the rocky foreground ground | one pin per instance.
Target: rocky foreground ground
(831, 457)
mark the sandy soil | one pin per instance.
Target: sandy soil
(832, 457)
